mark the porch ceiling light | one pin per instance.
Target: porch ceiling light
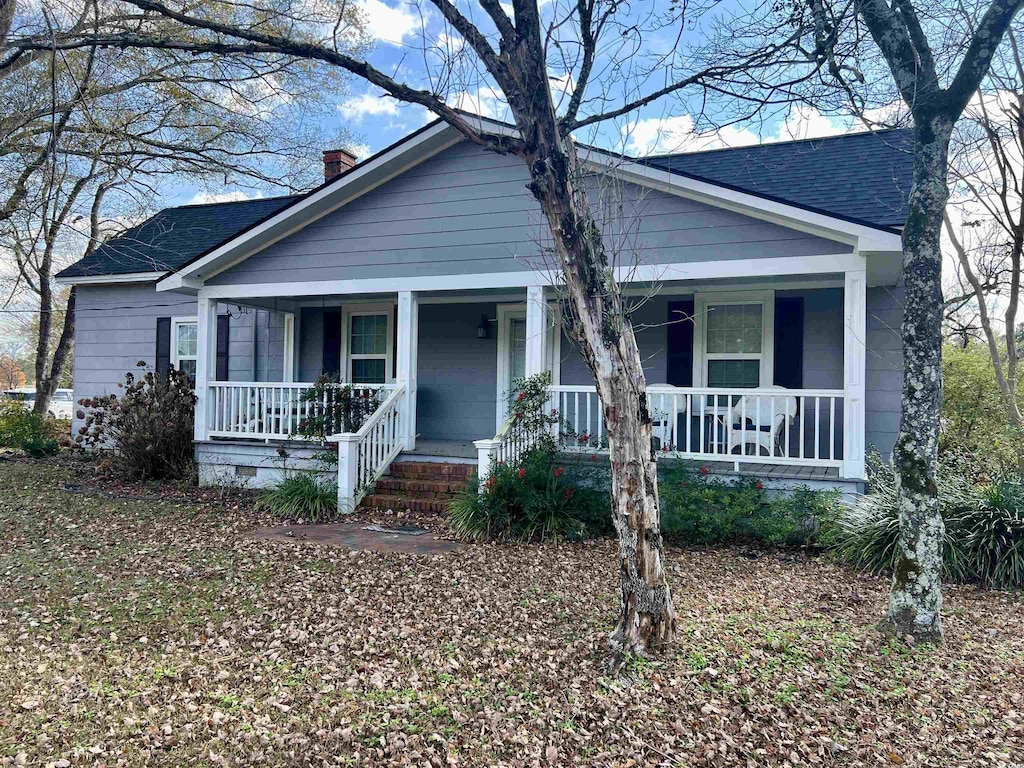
(484, 329)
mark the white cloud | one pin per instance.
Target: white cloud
(389, 24)
(369, 105)
(677, 134)
(202, 198)
(484, 101)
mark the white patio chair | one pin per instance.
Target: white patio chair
(762, 428)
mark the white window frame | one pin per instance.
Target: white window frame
(176, 322)
(506, 313)
(360, 310)
(702, 301)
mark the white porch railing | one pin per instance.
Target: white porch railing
(768, 425)
(363, 456)
(272, 410)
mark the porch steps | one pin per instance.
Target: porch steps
(425, 487)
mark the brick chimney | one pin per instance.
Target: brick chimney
(336, 162)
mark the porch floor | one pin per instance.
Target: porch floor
(774, 471)
(443, 449)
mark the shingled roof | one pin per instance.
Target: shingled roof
(864, 177)
(175, 236)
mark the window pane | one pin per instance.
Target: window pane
(368, 371)
(734, 373)
(369, 334)
(734, 328)
(189, 367)
(517, 360)
(187, 341)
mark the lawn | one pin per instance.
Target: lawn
(151, 631)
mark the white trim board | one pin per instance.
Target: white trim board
(437, 137)
(644, 273)
(127, 277)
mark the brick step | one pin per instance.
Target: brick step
(417, 487)
(429, 470)
(403, 503)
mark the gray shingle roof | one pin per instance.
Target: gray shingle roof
(175, 236)
(864, 177)
(861, 176)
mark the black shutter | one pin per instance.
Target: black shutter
(223, 340)
(163, 345)
(789, 342)
(332, 342)
(680, 343)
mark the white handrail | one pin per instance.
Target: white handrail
(508, 445)
(363, 456)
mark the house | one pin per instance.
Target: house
(766, 285)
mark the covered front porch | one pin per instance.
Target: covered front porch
(439, 367)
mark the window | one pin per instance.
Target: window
(185, 345)
(368, 347)
(735, 340)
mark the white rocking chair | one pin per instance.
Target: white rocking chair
(764, 424)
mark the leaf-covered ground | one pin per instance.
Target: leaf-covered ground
(152, 632)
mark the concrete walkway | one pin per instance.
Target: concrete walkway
(353, 536)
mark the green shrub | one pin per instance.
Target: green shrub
(801, 517)
(148, 430)
(32, 433)
(700, 508)
(538, 498)
(302, 496)
(705, 509)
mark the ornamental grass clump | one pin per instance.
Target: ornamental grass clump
(865, 533)
(992, 535)
(302, 496)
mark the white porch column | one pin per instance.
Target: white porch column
(405, 364)
(536, 331)
(206, 364)
(289, 347)
(854, 371)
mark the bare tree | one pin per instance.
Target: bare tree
(987, 167)
(577, 66)
(88, 135)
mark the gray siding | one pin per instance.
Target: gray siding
(884, 368)
(468, 211)
(115, 329)
(458, 373)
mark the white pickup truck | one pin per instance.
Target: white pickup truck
(62, 404)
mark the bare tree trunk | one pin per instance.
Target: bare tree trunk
(646, 617)
(915, 602)
(46, 386)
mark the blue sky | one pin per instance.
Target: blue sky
(398, 29)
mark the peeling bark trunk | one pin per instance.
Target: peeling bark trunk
(646, 617)
(915, 603)
(602, 328)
